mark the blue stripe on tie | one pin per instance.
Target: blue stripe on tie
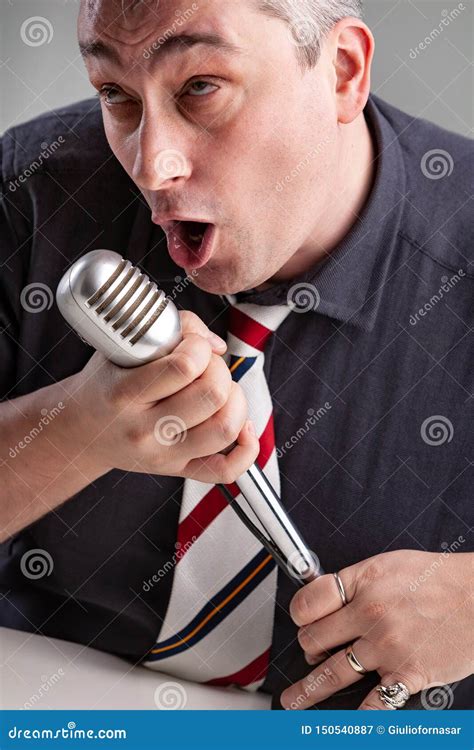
(174, 644)
(242, 367)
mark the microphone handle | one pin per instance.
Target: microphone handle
(264, 515)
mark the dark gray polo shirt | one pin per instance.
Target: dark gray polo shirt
(371, 388)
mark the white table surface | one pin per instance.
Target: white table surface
(38, 672)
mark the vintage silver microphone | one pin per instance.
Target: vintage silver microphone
(118, 310)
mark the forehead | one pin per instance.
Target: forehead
(112, 28)
(132, 18)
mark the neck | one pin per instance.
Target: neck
(346, 198)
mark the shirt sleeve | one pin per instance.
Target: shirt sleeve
(14, 250)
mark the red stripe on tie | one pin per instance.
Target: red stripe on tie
(253, 672)
(199, 519)
(191, 527)
(267, 443)
(248, 330)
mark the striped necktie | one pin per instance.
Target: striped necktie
(219, 622)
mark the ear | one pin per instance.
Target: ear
(353, 50)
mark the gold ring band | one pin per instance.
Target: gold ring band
(341, 589)
(354, 661)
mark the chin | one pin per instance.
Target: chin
(222, 281)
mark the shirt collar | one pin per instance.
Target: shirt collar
(348, 284)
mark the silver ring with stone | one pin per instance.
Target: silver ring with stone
(393, 696)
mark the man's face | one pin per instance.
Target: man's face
(231, 133)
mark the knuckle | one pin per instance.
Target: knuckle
(135, 436)
(415, 675)
(228, 428)
(187, 316)
(372, 572)
(185, 365)
(237, 403)
(229, 475)
(223, 470)
(390, 641)
(307, 640)
(216, 393)
(412, 676)
(374, 611)
(300, 607)
(191, 323)
(119, 394)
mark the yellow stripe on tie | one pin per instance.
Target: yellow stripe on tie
(216, 610)
(236, 364)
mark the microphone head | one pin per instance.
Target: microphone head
(117, 309)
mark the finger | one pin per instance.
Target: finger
(217, 432)
(191, 323)
(331, 631)
(227, 468)
(328, 678)
(200, 400)
(373, 701)
(168, 375)
(321, 597)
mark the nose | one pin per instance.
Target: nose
(160, 160)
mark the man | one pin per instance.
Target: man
(255, 121)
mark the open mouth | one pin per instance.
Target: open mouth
(191, 243)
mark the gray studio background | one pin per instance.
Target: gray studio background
(430, 79)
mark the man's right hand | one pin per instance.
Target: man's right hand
(172, 416)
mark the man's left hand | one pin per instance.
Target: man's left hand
(409, 617)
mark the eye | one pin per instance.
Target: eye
(200, 88)
(107, 93)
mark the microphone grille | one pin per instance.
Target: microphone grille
(128, 302)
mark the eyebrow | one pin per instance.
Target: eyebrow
(179, 42)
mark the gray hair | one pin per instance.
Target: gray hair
(310, 21)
